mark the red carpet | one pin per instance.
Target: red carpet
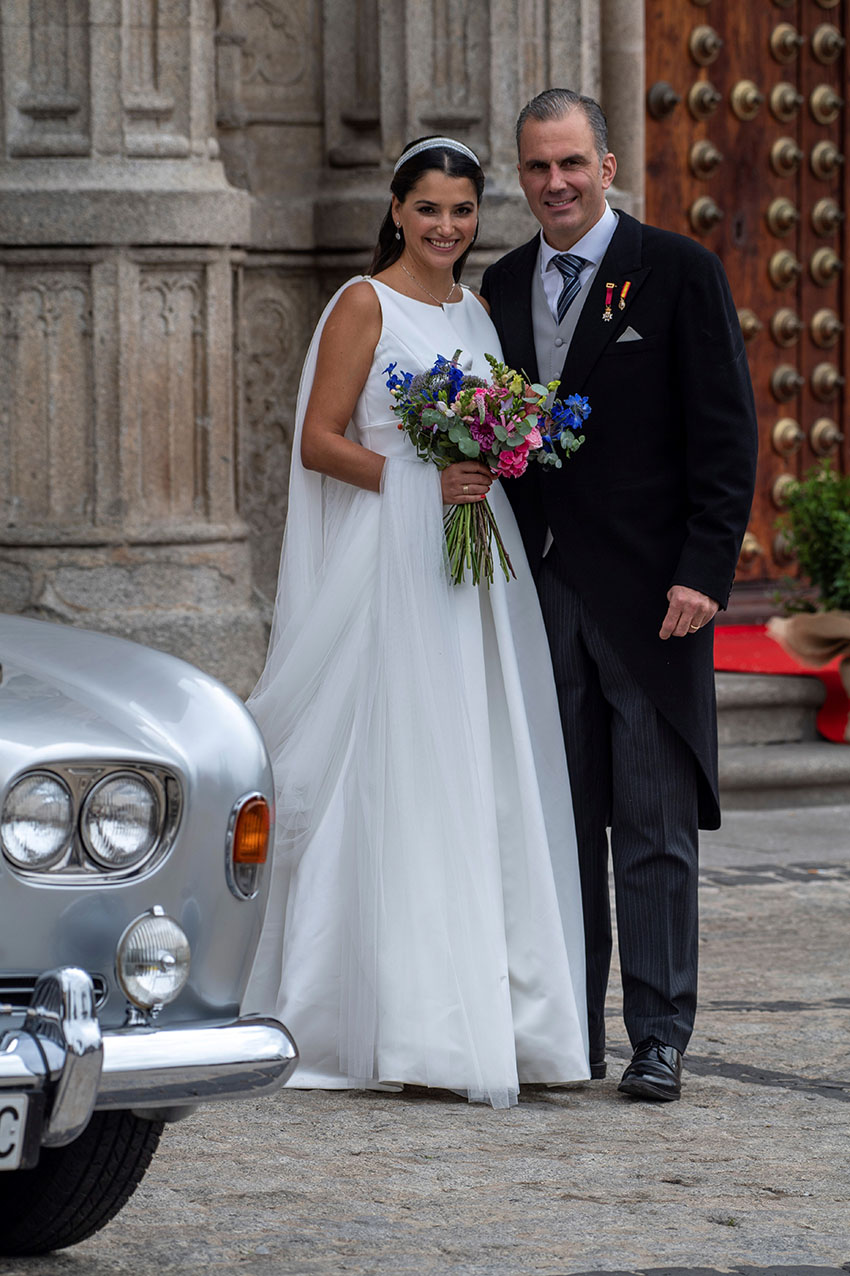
(748, 649)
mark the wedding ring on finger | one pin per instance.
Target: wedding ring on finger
(466, 489)
(694, 628)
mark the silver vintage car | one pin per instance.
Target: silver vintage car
(135, 810)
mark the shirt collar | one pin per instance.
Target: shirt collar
(592, 246)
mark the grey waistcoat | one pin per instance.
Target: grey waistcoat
(551, 339)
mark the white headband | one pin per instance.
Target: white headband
(430, 144)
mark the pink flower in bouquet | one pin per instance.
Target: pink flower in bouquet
(534, 439)
(513, 462)
(482, 432)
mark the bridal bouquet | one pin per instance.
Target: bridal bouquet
(504, 423)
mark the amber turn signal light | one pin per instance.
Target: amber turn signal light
(248, 836)
(251, 832)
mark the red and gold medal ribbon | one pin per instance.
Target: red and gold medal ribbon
(609, 297)
(624, 292)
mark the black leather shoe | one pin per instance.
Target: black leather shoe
(655, 1072)
(598, 1069)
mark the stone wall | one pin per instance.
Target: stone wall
(118, 487)
(182, 186)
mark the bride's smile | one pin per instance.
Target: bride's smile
(437, 222)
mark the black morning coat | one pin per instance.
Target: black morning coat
(660, 492)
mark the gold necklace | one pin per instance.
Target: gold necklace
(424, 289)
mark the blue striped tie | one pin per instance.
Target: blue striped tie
(570, 267)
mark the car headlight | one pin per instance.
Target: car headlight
(120, 821)
(153, 959)
(37, 823)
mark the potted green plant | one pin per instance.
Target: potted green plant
(816, 528)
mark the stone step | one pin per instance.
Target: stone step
(780, 775)
(755, 709)
(770, 752)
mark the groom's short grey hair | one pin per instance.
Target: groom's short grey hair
(554, 104)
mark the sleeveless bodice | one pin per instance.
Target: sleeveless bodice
(413, 333)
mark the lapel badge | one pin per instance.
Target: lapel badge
(609, 297)
(624, 292)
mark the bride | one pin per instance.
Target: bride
(424, 925)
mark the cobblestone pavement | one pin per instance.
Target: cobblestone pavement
(749, 1173)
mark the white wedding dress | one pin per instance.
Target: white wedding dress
(424, 924)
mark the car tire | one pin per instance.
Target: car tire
(76, 1190)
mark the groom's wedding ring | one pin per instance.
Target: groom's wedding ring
(466, 489)
(693, 628)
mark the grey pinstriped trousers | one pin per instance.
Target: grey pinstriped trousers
(630, 771)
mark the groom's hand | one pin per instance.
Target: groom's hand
(688, 611)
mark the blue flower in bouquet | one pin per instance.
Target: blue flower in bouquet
(454, 375)
(568, 414)
(394, 382)
(440, 384)
(567, 417)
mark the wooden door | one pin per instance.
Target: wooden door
(745, 146)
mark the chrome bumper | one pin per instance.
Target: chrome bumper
(61, 1052)
(168, 1067)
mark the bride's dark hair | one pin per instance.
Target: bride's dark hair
(434, 159)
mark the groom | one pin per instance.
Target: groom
(633, 545)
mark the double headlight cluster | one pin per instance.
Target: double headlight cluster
(82, 820)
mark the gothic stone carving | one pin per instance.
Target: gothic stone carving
(47, 375)
(45, 77)
(171, 457)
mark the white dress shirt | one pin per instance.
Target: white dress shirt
(592, 246)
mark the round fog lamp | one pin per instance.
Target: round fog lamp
(37, 821)
(120, 821)
(153, 960)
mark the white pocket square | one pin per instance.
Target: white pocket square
(629, 335)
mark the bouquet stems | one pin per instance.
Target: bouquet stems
(470, 532)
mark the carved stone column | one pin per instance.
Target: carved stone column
(117, 475)
(622, 92)
(274, 137)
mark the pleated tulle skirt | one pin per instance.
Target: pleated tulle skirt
(424, 924)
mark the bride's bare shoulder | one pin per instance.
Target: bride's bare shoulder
(359, 302)
(352, 329)
(479, 298)
(355, 319)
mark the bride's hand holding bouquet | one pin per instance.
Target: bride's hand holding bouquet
(475, 431)
(465, 481)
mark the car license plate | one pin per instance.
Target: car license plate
(13, 1126)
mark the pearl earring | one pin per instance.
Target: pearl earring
(398, 230)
